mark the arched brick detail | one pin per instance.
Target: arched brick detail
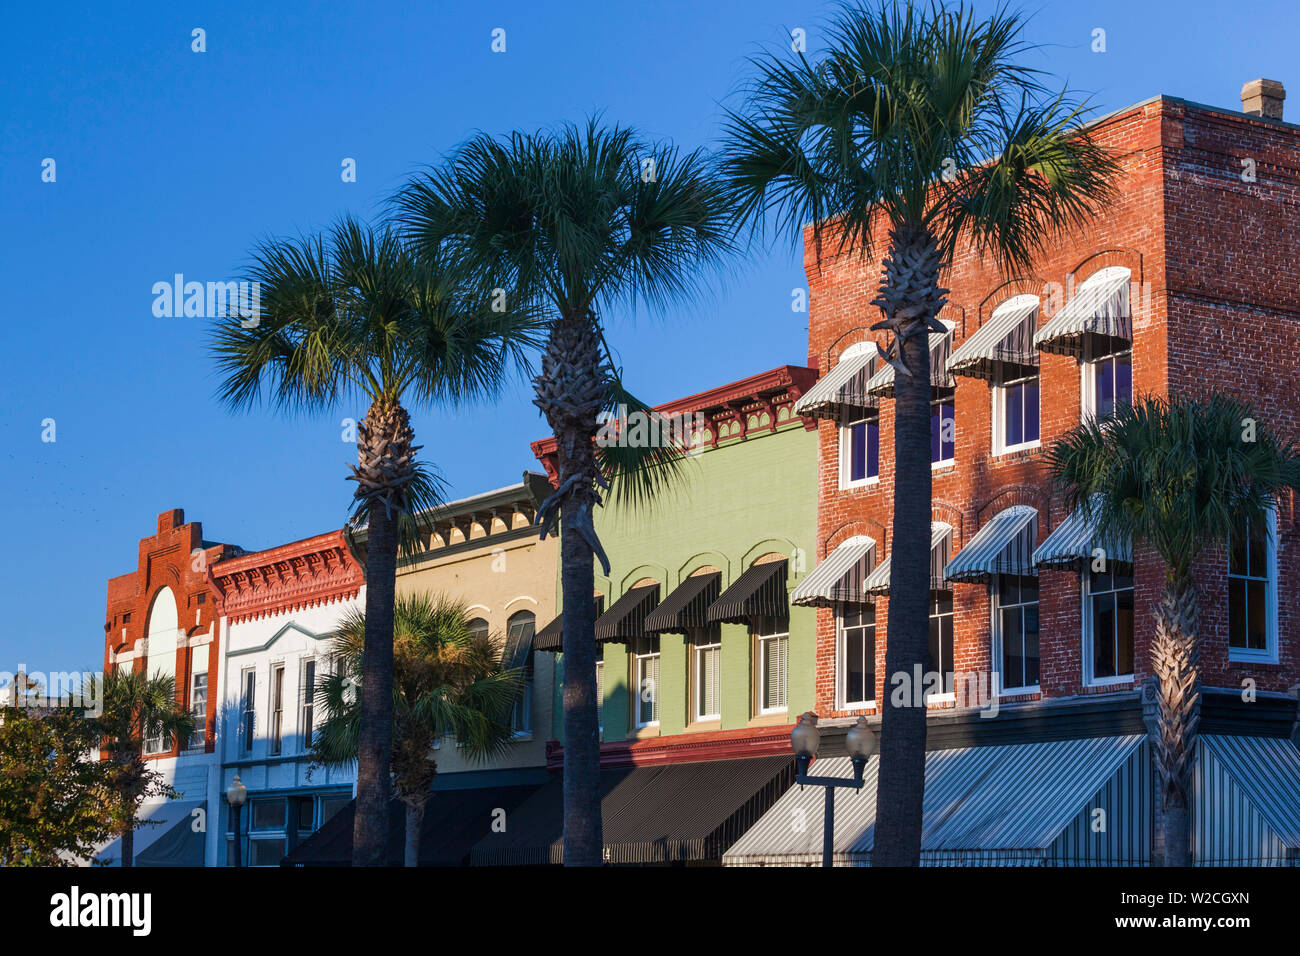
(949, 513)
(852, 337)
(1021, 285)
(851, 529)
(1036, 498)
(1130, 259)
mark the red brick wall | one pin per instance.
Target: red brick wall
(1166, 222)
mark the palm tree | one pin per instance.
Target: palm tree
(578, 219)
(447, 681)
(918, 126)
(355, 314)
(1176, 474)
(137, 708)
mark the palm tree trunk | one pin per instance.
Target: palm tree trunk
(414, 821)
(1176, 664)
(385, 463)
(571, 392)
(128, 841)
(909, 295)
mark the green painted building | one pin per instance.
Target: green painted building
(696, 629)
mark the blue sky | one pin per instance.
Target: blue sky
(169, 161)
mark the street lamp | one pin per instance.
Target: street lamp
(805, 740)
(235, 796)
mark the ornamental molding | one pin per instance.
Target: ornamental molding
(288, 578)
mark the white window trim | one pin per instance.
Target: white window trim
(845, 430)
(306, 696)
(696, 649)
(995, 629)
(999, 398)
(247, 705)
(637, 722)
(1088, 384)
(760, 652)
(1269, 655)
(841, 669)
(947, 462)
(1085, 615)
(199, 728)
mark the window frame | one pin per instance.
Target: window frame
(946, 399)
(1089, 678)
(713, 642)
(1269, 653)
(841, 660)
(871, 419)
(995, 629)
(943, 696)
(521, 715)
(1001, 392)
(200, 720)
(247, 708)
(306, 702)
(1088, 382)
(762, 642)
(275, 741)
(647, 648)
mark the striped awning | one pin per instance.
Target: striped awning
(1099, 310)
(1246, 802)
(1003, 347)
(844, 387)
(882, 383)
(551, 637)
(625, 620)
(940, 553)
(666, 813)
(687, 606)
(840, 576)
(999, 805)
(759, 592)
(1005, 545)
(1071, 545)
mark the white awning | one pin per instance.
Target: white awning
(840, 576)
(940, 551)
(1005, 545)
(1072, 543)
(844, 386)
(882, 383)
(1099, 309)
(1003, 347)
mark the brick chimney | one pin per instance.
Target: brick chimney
(1263, 98)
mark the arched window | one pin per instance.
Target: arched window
(478, 627)
(519, 653)
(160, 658)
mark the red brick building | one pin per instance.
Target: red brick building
(1195, 284)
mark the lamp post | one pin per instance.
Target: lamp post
(805, 739)
(235, 796)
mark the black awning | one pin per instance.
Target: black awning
(759, 592)
(625, 620)
(663, 814)
(454, 820)
(687, 606)
(551, 637)
(180, 845)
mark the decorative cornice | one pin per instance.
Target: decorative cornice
(686, 748)
(288, 578)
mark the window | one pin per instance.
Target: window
(706, 673)
(1108, 623)
(943, 429)
(304, 809)
(1252, 592)
(1107, 384)
(941, 640)
(519, 644)
(277, 708)
(199, 709)
(857, 628)
(157, 740)
(859, 452)
(772, 639)
(1016, 631)
(307, 707)
(332, 805)
(249, 680)
(267, 814)
(126, 618)
(646, 674)
(478, 627)
(1015, 415)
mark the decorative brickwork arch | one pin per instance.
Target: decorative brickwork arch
(1036, 498)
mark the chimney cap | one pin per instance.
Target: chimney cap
(1263, 98)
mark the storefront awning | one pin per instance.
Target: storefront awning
(687, 606)
(1071, 545)
(1099, 311)
(625, 620)
(940, 552)
(1246, 802)
(1005, 545)
(759, 592)
(454, 820)
(1011, 804)
(183, 843)
(1002, 348)
(882, 383)
(684, 812)
(844, 387)
(551, 637)
(840, 577)
(158, 821)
